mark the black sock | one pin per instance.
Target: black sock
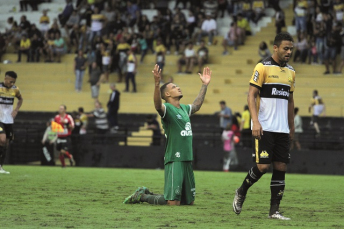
(2, 155)
(154, 199)
(277, 189)
(254, 174)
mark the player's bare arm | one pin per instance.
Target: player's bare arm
(291, 116)
(310, 107)
(257, 130)
(19, 104)
(157, 96)
(205, 78)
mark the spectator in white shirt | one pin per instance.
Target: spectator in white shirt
(97, 21)
(208, 29)
(298, 130)
(188, 59)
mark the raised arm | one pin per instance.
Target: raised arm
(205, 78)
(157, 95)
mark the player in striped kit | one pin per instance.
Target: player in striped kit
(271, 104)
(8, 91)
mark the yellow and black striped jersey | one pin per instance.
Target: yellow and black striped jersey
(7, 96)
(275, 83)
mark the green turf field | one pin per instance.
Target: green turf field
(51, 197)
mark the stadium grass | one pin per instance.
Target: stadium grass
(51, 197)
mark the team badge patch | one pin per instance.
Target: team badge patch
(177, 191)
(264, 154)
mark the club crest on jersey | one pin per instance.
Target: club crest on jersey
(187, 131)
(179, 116)
(177, 155)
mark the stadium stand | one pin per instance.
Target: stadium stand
(46, 85)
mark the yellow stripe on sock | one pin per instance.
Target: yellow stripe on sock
(256, 143)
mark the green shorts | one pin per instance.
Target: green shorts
(179, 182)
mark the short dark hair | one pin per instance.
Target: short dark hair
(65, 107)
(283, 36)
(264, 45)
(222, 102)
(81, 109)
(315, 92)
(296, 109)
(162, 90)
(246, 107)
(11, 74)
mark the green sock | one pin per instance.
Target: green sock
(154, 199)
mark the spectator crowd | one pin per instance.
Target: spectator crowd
(107, 30)
(320, 34)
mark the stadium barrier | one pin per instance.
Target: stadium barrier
(90, 151)
(320, 155)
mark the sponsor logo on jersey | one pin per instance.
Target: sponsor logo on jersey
(275, 91)
(264, 154)
(256, 76)
(187, 131)
(6, 100)
(177, 154)
(179, 116)
(274, 76)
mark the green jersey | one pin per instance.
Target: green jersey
(178, 133)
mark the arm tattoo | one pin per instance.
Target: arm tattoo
(199, 100)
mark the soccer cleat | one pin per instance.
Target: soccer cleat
(71, 160)
(2, 171)
(145, 190)
(278, 215)
(135, 198)
(238, 202)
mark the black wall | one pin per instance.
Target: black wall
(205, 158)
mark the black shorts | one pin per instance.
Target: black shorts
(271, 147)
(105, 68)
(315, 118)
(8, 130)
(63, 144)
